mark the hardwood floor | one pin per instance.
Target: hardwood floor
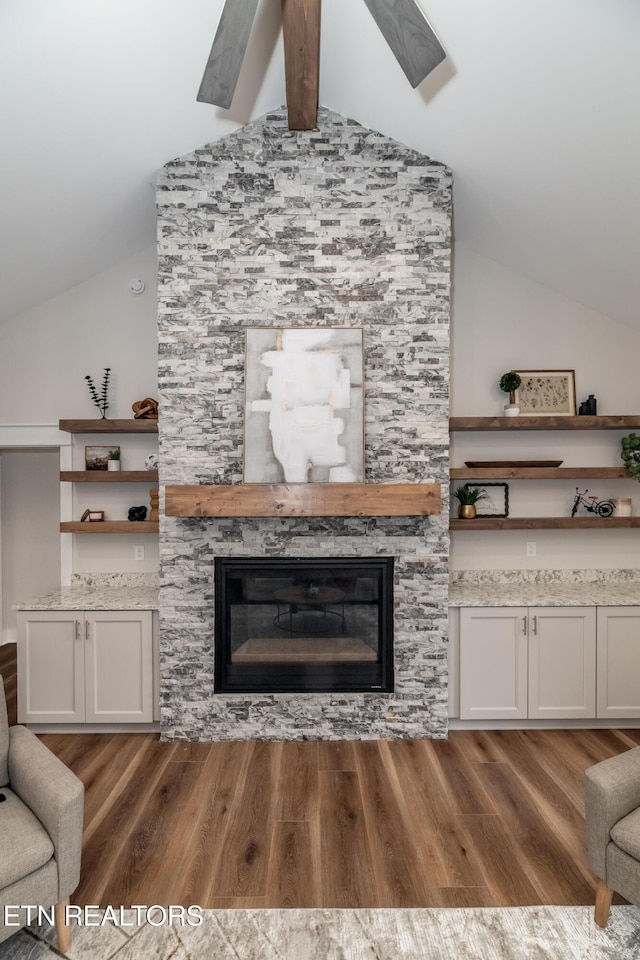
(483, 819)
(9, 674)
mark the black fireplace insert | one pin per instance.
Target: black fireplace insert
(285, 625)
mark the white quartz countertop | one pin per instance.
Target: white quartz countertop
(544, 594)
(83, 597)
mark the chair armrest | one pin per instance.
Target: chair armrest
(612, 790)
(55, 795)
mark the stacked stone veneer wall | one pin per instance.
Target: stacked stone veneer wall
(267, 227)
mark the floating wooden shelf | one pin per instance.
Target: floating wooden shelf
(109, 476)
(110, 526)
(108, 426)
(545, 523)
(545, 423)
(304, 500)
(538, 473)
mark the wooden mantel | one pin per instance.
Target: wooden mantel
(304, 500)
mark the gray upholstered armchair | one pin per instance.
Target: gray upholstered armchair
(40, 828)
(612, 794)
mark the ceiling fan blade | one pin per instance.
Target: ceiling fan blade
(408, 33)
(227, 53)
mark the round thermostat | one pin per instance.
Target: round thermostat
(136, 286)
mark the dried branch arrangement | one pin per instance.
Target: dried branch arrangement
(100, 399)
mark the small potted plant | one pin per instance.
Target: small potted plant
(509, 383)
(467, 497)
(114, 460)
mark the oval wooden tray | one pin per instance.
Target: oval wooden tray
(513, 463)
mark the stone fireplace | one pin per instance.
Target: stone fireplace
(337, 227)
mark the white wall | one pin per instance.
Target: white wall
(46, 352)
(501, 321)
(29, 517)
(44, 357)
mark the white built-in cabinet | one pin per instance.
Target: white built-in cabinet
(546, 663)
(493, 663)
(562, 663)
(618, 662)
(527, 662)
(85, 667)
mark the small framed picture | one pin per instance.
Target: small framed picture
(97, 458)
(547, 393)
(495, 499)
(96, 516)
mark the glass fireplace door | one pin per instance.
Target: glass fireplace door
(302, 625)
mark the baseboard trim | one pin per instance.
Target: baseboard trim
(609, 724)
(93, 727)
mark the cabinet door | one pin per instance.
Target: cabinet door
(119, 667)
(50, 666)
(618, 688)
(493, 663)
(562, 662)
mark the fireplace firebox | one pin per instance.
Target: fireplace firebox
(285, 625)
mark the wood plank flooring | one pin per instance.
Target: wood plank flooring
(483, 819)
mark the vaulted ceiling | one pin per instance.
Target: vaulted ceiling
(535, 109)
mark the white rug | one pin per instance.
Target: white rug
(521, 933)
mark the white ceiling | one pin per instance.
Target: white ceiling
(536, 110)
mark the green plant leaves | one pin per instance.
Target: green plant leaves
(630, 455)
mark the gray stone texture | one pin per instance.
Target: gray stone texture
(339, 226)
(492, 933)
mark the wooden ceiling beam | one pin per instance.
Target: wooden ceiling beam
(301, 31)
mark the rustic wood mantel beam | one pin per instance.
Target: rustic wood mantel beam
(301, 31)
(304, 500)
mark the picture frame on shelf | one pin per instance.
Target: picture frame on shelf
(546, 393)
(97, 458)
(495, 502)
(92, 516)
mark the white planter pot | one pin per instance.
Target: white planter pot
(113, 464)
(512, 410)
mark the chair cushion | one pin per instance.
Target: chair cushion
(4, 739)
(24, 842)
(626, 834)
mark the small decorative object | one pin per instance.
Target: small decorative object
(509, 383)
(113, 462)
(100, 399)
(630, 454)
(154, 494)
(85, 515)
(589, 407)
(467, 497)
(96, 516)
(498, 507)
(137, 513)
(547, 393)
(622, 507)
(602, 508)
(146, 409)
(99, 458)
(151, 463)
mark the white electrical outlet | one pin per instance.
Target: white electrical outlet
(531, 548)
(138, 553)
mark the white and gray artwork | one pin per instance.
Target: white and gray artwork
(304, 405)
